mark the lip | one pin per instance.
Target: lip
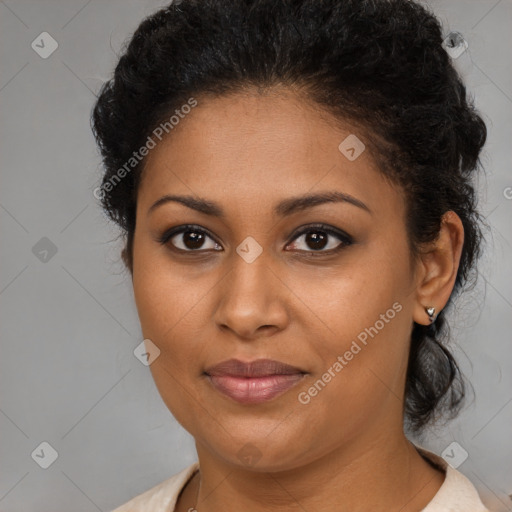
(253, 382)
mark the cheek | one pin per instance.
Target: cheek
(364, 313)
(162, 293)
(361, 366)
(173, 307)
(168, 309)
(345, 300)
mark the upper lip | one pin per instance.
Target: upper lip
(257, 368)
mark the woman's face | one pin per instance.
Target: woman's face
(336, 303)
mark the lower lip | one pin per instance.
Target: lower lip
(256, 389)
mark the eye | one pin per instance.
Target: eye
(189, 239)
(314, 239)
(320, 238)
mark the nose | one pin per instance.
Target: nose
(251, 300)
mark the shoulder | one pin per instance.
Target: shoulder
(161, 497)
(457, 494)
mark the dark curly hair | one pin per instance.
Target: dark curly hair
(378, 63)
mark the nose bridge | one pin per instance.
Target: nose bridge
(250, 278)
(250, 296)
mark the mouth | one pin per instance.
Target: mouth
(254, 382)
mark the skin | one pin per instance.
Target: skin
(345, 450)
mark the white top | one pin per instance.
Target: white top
(457, 494)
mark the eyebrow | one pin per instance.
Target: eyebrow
(284, 208)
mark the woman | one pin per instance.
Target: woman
(293, 178)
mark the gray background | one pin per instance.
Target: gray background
(69, 325)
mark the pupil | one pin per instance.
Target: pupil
(316, 240)
(193, 240)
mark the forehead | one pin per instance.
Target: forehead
(263, 145)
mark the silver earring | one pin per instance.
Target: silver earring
(431, 312)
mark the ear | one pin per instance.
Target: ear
(438, 268)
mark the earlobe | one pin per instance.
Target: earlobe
(440, 263)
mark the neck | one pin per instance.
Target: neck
(384, 474)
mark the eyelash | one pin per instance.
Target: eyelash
(344, 238)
